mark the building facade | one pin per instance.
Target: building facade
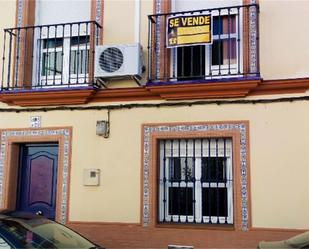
(110, 128)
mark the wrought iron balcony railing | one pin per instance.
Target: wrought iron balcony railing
(49, 56)
(233, 51)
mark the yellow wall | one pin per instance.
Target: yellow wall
(283, 36)
(7, 20)
(279, 134)
(7, 17)
(279, 140)
(283, 39)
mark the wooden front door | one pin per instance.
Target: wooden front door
(37, 181)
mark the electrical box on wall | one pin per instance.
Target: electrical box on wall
(91, 177)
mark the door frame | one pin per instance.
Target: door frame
(9, 164)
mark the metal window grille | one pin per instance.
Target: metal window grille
(195, 181)
(45, 56)
(233, 45)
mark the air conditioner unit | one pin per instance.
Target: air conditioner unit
(118, 61)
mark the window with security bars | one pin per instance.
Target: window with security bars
(218, 58)
(195, 181)
(64, 60)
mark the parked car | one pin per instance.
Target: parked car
(300, 241)
(24, 230)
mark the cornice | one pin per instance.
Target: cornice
(52, 97)
(210, 90)
(205, 90)
(282, 86)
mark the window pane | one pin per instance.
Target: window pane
(52, 43)
(180, 201)
(79, 61)
(79, 40)
(181, 169)
(79, 55)
(191, 62)
(51, 63)
(224, 52)
(213, 169)
(214, 202)
(224, 24)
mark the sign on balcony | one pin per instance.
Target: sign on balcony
(188, 30)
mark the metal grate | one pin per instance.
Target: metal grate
(111, 59)
(226, 57)
(195, 181)
(45, 56)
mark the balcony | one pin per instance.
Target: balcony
(49, 57)
(231, 55)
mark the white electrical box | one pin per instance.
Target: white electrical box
(91, 177)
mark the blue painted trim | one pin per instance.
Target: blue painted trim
(199, 81)
(60, 89)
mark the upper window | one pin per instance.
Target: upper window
(64, 60)
(232, 51)
(195, 183)
(54, 49)
(218, 58)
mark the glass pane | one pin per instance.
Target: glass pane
(181, 169)
(79, 40)
(79, 61)
(191, 62)
(180, 201)
(52, 43)
(214, 202)
(213, 169)
(51, 63)
(224, 24)
(224, 52)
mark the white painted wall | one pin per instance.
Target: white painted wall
(62, 11)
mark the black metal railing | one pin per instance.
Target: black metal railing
(195, 181)
(232, 52)
(49, 56)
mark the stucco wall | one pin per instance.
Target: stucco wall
(279, 134)
(283, 39)
(278, 150)
(7, 20)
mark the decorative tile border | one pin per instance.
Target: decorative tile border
(98, 11)
(165, 129)
(65, 133)
(20, 13)
(253, 46)
(158, 39)
(98, 15)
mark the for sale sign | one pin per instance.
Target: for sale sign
(188, 30)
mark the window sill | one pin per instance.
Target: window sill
(180, 91)
(51, 97)
(200, 90)
(222, 227)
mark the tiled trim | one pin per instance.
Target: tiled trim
(99, 17)
(240, 127)
(158, 40)
(30, 135)
(98, 11)
(20, 13)
(253, 33)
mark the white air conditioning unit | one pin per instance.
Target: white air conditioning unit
(118, 61)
